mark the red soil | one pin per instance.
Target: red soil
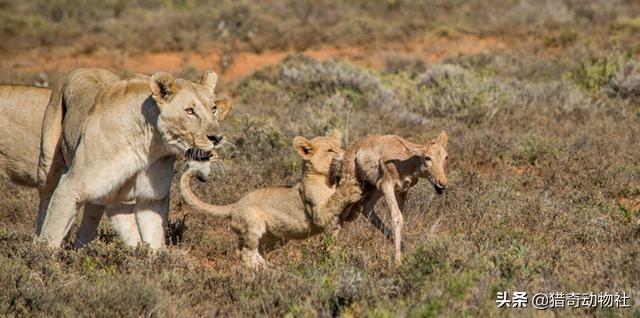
(428, 48)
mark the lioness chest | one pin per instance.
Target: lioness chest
(150, 184)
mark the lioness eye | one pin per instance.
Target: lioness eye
(427, 158)
(190, 111)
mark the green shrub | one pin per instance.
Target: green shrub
(593, 72)
(450, 90)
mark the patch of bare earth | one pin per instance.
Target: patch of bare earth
(427, 48)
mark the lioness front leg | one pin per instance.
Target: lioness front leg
(348, 192)
(89, 226)
(122, 218)
(47, 186)
(63, 207)
(151, 217)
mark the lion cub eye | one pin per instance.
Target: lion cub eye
(189, 111)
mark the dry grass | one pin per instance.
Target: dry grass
(183, 25)
(544, 177)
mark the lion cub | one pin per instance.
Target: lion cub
(277, 214)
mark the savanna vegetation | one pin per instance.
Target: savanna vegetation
(544, 175)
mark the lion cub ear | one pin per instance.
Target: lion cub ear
(336, 135)
(163, 87)
(442, 139)
(223, 106)
(304, 147)
(209, 80)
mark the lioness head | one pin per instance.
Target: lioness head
(433, 163)
(189, 115)
(320, 152)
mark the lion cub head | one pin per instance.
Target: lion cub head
(320, 153)
(189, 114)
(433, 163)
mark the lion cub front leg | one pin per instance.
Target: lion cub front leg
(348, 192)
(250, 232)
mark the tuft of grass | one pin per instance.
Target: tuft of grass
(625, 82)
(533, 149)
(627, 24)
(593, 72)
(563, 39)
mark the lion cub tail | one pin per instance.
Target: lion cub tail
(221, 211)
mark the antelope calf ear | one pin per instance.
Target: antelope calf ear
(223, 106)
(304, 147)
(442, 139)
(163, 87)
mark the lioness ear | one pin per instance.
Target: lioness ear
(303, 146)
(223, 106)
(442, 139)
(209, 80)
(163, 87)
(336, 135)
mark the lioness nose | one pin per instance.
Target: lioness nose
(215, 138)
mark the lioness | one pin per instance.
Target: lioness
(111, 142)
(277, 214)
(21, 112)
(390, 166)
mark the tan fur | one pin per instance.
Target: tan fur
(111, 143)
(278, 214)
(21, 112)
(389, 166)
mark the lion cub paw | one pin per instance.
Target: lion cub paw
(351, 189)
